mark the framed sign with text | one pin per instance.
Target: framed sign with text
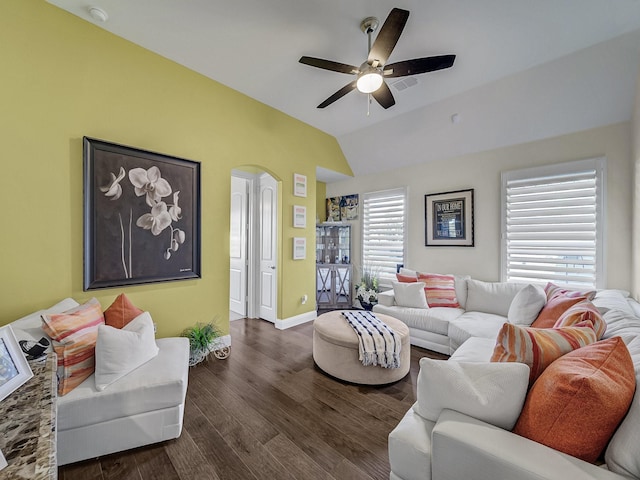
(449, 219)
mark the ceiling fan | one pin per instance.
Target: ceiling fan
(374, 70)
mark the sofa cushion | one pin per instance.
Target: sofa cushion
(623, 453)
(612, 300)
(491, 392)
(159, 383)
(581, 312)
(474, 324)
(439, 289)
(410, 294)
(434, 320)
(526, 305)
(621, 324)
(74, 333)
(539, 347)
(578, 402)
(559, 300)
(475, 349)
(491, 297)
(410, 447)
(121, 312)
(119, 351)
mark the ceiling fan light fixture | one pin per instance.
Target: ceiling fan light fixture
(369, 80)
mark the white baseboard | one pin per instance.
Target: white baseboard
(297, 320)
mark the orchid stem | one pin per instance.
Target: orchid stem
(124, 265)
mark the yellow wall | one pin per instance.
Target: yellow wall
(63, 78)
(321, 203)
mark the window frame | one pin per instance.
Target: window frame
(599, 165)
(384, 279)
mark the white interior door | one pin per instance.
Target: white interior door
(238, 247)
(267, 239)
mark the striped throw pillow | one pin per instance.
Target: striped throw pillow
(406, 278)
(580, 312)
(439, 289)
(74, 335)
(539, 347)
(559, 300)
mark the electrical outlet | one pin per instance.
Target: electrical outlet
(304, 299)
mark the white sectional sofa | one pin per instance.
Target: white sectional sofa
(459, 446)
(144, 407)
(483, 309)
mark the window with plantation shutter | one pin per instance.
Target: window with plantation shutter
(383, 232)
(553, 224)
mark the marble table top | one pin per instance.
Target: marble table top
(28, 425)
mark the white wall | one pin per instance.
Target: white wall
(481, 171)
(635, 132)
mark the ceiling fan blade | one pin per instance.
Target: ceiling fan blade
(384, 96)
(418, 65)
(338, 95)
(388, 36)
(329, 65)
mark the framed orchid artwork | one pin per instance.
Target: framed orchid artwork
(141, 216)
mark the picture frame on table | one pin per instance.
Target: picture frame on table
(299, 185)
(449, 219)
(14, 368)
(141, 216)
(299, 216)
(299, 248)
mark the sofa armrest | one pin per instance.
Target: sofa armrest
(463, 447)
(387, 298)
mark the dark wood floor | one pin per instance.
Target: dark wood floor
(267, 412)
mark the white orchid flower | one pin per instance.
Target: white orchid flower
(114, 190)
(157, 220)
(149, 183)
(174, 210)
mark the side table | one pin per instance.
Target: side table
(28, 425)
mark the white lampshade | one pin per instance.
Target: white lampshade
(369, 82)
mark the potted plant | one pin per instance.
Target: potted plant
(202, 341)
(367, 290)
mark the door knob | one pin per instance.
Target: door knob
(272, 267)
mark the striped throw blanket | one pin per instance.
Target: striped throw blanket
(378, 343)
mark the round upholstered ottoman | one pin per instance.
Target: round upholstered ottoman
(335, 350)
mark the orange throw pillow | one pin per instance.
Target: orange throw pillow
(580, 312)
(559, 300)
(579, 401)
(74, 335)
(121, 312)
(406, 278)
(539, 347)
(439, 289)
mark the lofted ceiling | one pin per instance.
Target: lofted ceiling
(524, 70)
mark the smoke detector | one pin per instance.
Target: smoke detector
(98, 14)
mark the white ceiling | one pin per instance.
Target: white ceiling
(524, 69)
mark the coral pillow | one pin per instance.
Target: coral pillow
(559, 300)
(579, 401)
(580, 312)
(74, 335)
(538, 347)
(121, 312)
(406, 278)
(439, 289)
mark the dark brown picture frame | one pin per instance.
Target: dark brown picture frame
(142, 219)
(449, 219)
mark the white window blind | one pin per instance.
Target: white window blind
(383, 231)
(553, 224)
